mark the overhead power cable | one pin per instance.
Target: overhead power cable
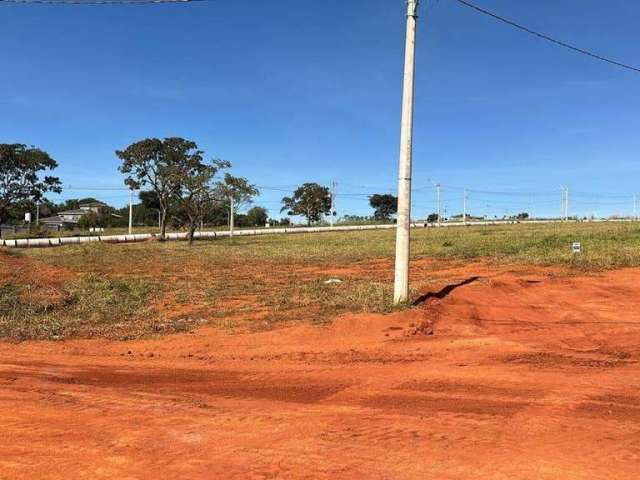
(98, 2)
(547, 37)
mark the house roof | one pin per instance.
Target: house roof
(57, 220)
(54, 219)
(73, 212)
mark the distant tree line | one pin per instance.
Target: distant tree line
(178, 187)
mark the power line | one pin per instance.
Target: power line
(547, 37)
(98, 2)
(107, 189)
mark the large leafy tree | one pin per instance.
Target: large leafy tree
(196, 192)
(21, 176)
(237, 188)
(384, 205)
(152, 164)
(257, 217)
(310, 200)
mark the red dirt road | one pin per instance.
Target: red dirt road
(530, 375)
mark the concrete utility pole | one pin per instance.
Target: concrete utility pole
(333, 203)
(464, 207)
(438, 201)
(564, 204)
(403, 229)
(231, 216)
(38, 212)
(130, 212)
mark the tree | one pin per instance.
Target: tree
(20, 176)
(309, 200)
(257, 217)
(432, 218)
(522, 216)
(196, 191)
(384, 205)
(88, 220)
(149, 200)
(150, 163)
(283, 222)
(237, 188)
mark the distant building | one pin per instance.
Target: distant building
(96, 207)
(70, 218)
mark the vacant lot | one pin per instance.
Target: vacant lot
(518, 361)
(133, 291)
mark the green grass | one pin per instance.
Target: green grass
(90, 306)
(129, 291)
(324, 301)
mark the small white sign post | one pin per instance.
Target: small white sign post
(576, 248)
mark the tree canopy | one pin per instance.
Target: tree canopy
(310, 200)
(237, 188)
(195, 193)
(21, 176)
(159, 165)
(384, 205)
(257, 217)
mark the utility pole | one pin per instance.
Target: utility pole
(563, 203)
(38, 213)
(635, 207)
(333, 203)
(403, 229)
(464, 207)
(231, 216)
(130, 212)
(438, 192)
(566, 204)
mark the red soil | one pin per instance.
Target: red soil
(528, 375)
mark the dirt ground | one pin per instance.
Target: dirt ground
(499, 373)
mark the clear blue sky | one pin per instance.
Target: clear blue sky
(293, 91)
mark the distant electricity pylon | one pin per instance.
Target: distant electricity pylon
(403, 230)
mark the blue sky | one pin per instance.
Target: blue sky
(295, 91)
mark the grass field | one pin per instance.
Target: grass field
(131, 291)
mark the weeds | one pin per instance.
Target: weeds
(90, 306)
(270, 279)
(317, 301)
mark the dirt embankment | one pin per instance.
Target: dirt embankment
(528, 375)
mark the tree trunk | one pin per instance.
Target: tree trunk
(163, 224)
(192, 231)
